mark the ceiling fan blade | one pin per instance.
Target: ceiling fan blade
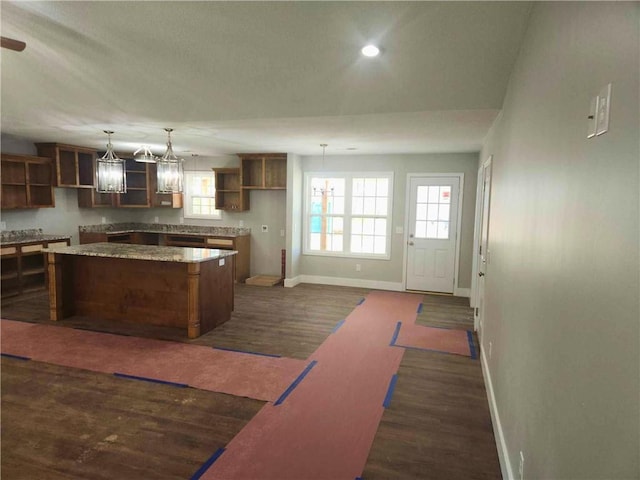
(12, 44)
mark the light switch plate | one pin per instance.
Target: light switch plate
(399, 230)
(592, 118)
(604, 101)
(3, 225)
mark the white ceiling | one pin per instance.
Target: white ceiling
(259, 76)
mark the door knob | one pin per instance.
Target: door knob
(481, 274)
(411, 243)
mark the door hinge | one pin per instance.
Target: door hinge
(476, 312)
(480, 250)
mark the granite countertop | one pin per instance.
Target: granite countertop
(144, 252)
(15, 237)
(164, 228)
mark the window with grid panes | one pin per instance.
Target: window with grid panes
(348, 214)
(200, 195)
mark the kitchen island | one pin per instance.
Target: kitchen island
(180, 287)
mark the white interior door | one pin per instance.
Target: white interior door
(433, 223)
(483, 250)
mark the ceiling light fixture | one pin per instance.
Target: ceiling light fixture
(370, 51)
(170, 171)
(110, 177)
(144, 155)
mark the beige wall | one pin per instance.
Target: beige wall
(562, 290)
(391, 270)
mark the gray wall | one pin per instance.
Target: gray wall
(562, 310)
(267, 208)
(391, 270)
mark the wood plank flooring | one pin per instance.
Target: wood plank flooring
(437, 427)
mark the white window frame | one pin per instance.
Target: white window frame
(187, 211)
(348, 215)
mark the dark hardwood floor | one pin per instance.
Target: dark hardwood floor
(59, 422)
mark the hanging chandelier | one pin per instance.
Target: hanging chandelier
(169, 167)
(110, 175)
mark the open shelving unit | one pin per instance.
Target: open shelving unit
(26, 182)
(74, 166)
(229, 192)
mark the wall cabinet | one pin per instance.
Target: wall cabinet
(229, 192)
(263, 171)
(258, 171)
(23, 267)
(74, 166)
(26, 182)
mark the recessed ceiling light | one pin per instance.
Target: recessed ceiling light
(370, 51)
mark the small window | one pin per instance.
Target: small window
(200, 195)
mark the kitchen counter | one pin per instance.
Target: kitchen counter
(179, 287)
(144, 252)
(35, 235)
(165, 228)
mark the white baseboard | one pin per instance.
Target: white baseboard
(503, 452)
(462, 292)
(292, 282)
(344, 282)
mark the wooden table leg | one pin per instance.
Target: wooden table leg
(193, 292)
(56, 307)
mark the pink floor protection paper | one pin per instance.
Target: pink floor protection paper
(435, 339)
(324, 428)
(244, 375)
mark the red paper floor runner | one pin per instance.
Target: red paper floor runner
(325, 427)
(253, 376)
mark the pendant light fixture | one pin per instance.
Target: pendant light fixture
(110, 177)
(170, 172)
(144, 155)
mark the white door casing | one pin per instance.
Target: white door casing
(483, 248)
(432, 228)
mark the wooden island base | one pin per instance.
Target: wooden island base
(196, 296)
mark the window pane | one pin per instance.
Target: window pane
(423, 194)
(368, 226)
(381, 206)
(356, 225)
(367, 244)
(432, 212)
(381, 226)
(434, 193)
(369, 205)
(383, 187)
(357, 206)
(432, 229)
(336, 243)
(315, 224)
(443, 229)
(338, 186)
(338, 225)
(443, 214)
(358, 187)
(196, 209)
(356, 243)
(380, 245)
(196, 200)
(370, 187)
(421, 211)
(316, 204)
(421, 229)
(445, 194)
(338, 205)
(314, 241)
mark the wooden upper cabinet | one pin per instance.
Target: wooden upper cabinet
(263, 171)
(74, 166)
(161, 200)
(229, 192)
(26, 182)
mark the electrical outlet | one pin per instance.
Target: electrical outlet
(358, 267)
(604, 101)
(104, 219)
(241, 223)
(156, 219)
(3, 225)
(265, 228)
(282, 232)
(490, 347)
(521, 467)
(181, 219)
